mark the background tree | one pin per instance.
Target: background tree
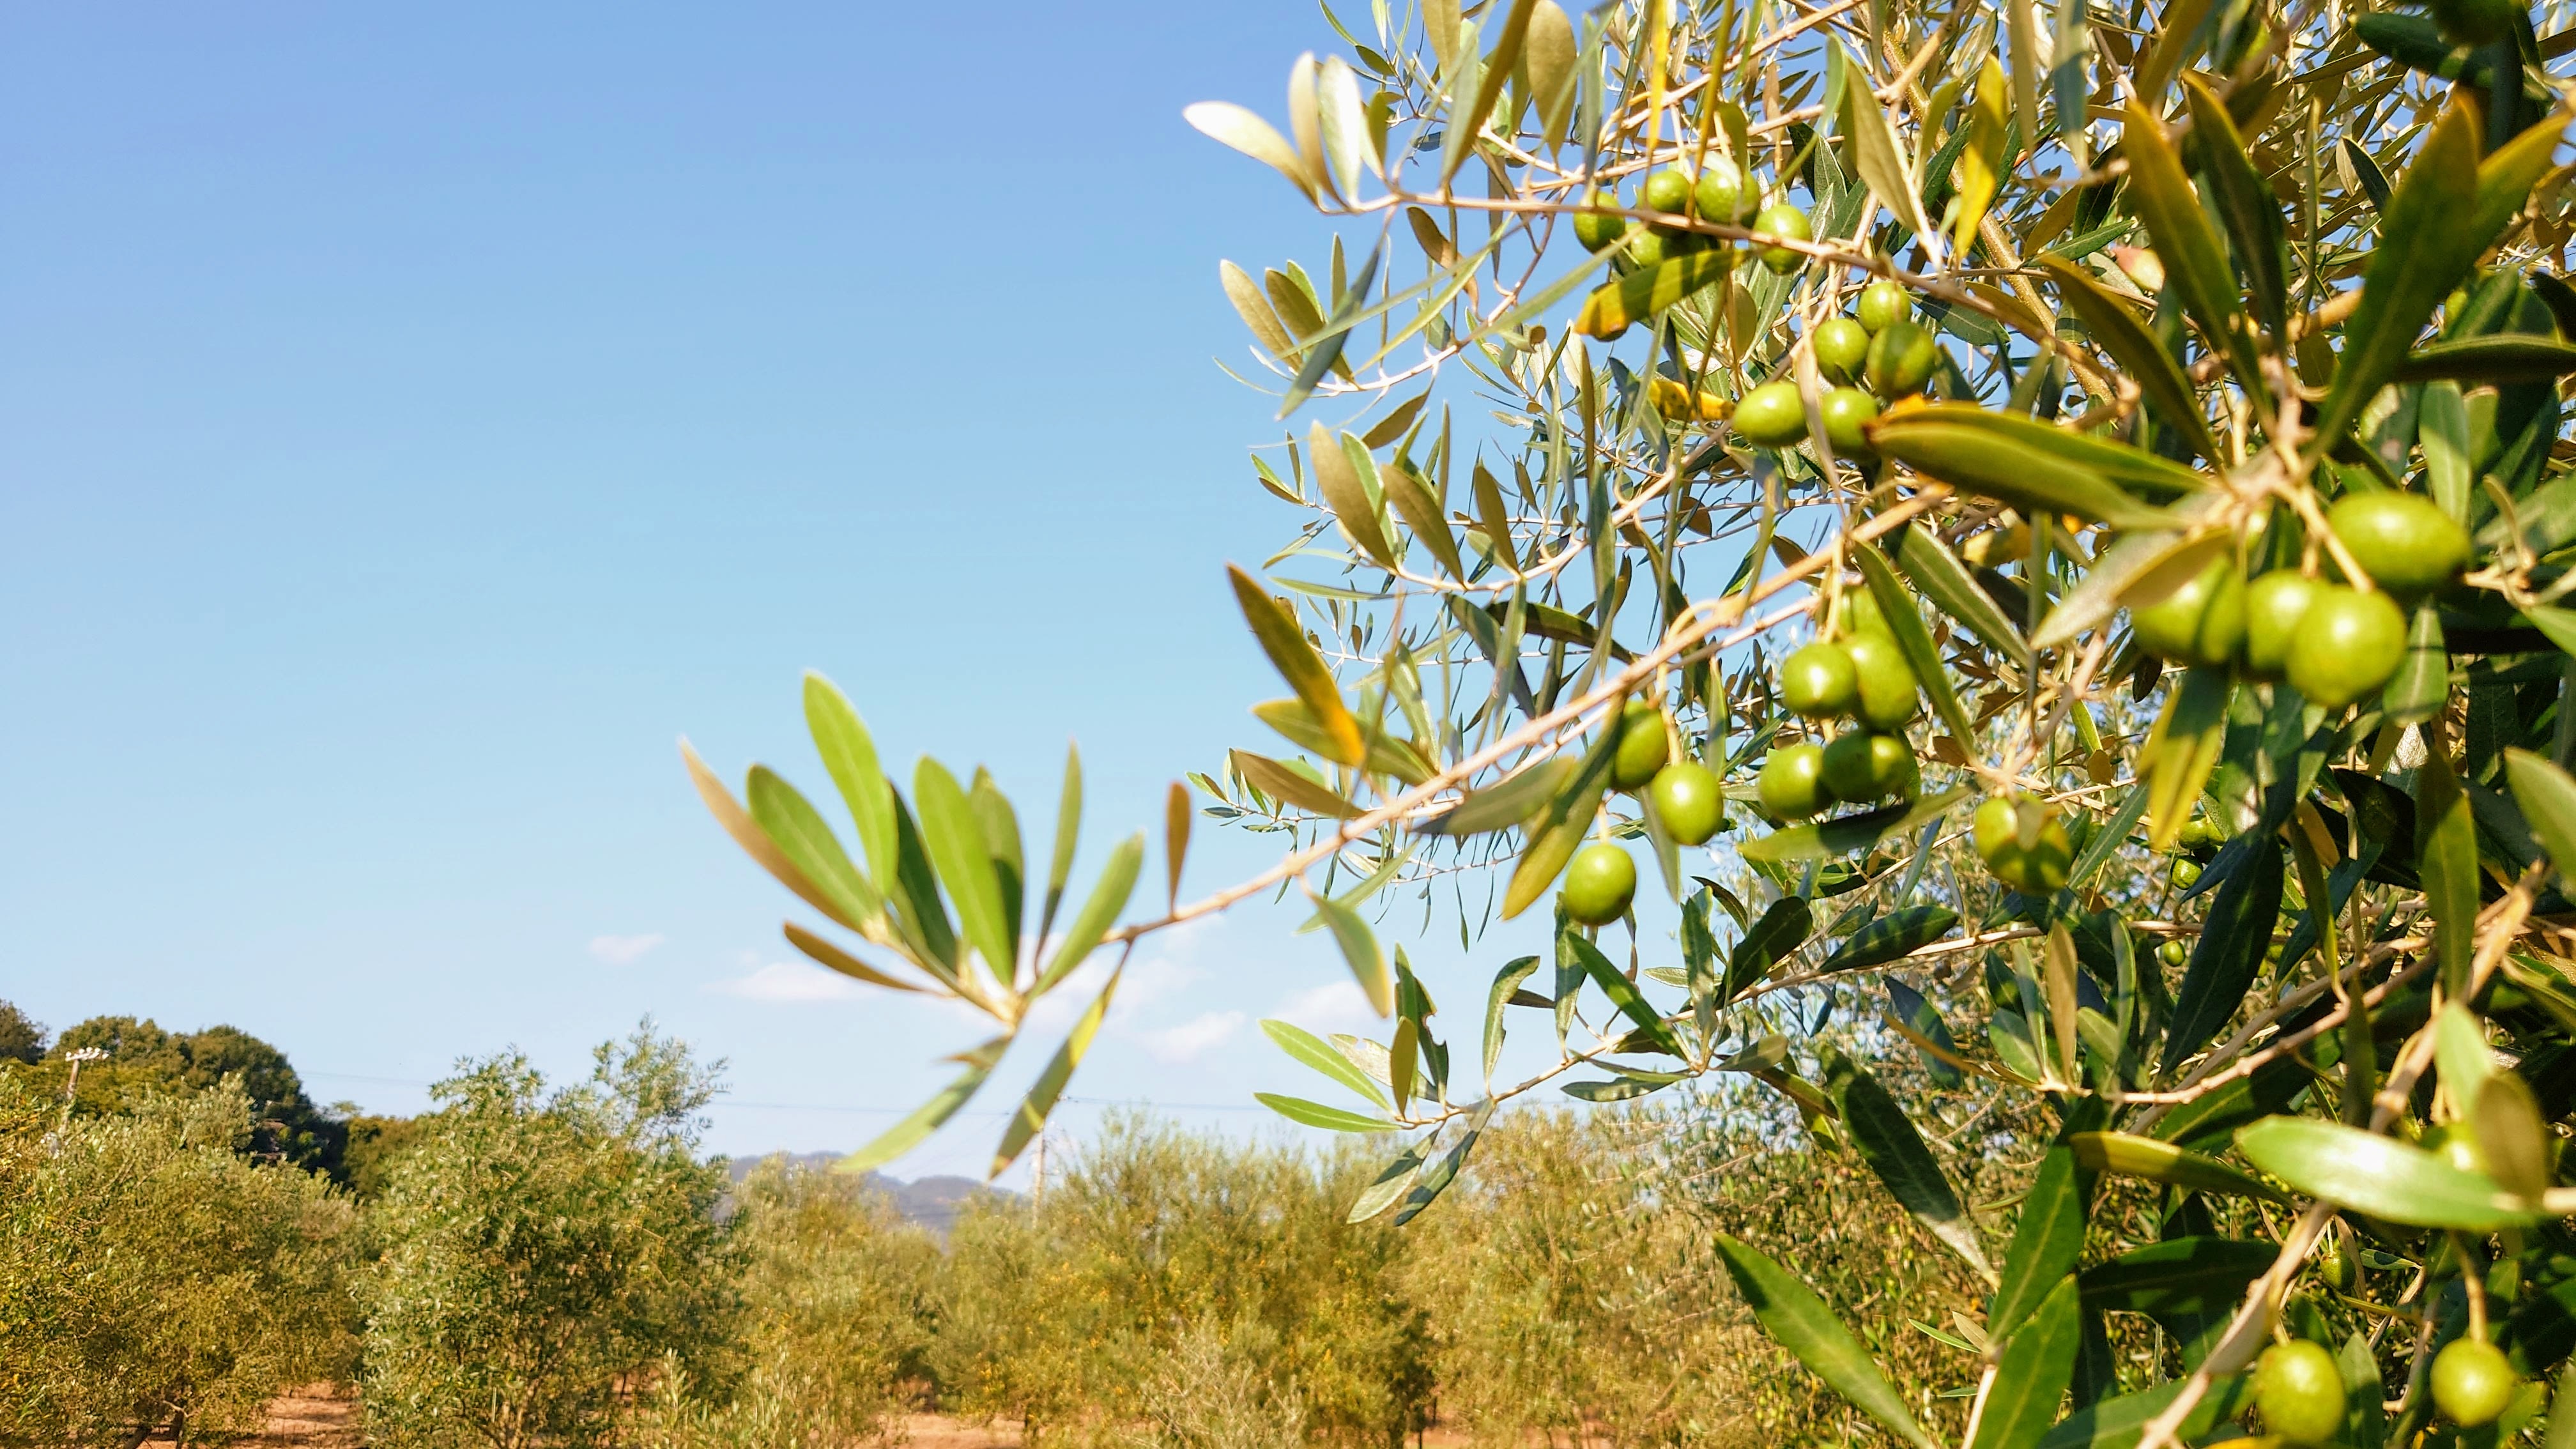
(143, 1059)
(545, 1252)
(22, 1039)
(154, 1277)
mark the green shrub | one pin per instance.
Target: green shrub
(152, 1276)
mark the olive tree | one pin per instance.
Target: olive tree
(546, 1253)
(2043, 530)
(155, 1274)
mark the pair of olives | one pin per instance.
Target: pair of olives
(2300, 1389)
(1863, 675)
(1601, 881)
(2334, 644)
(2034, 863)
(1859, 767)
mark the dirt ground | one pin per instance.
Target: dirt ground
(321, 1417)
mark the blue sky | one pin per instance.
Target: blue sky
(412, 423)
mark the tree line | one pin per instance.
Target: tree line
(184, 1234)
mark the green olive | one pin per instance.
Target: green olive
(1689, 802)
(2200, 622)
(1884, 304)
(1651, 246)
(1861, 614)
(1886, 684)
(2300, 1391)
(1792, 782)
(1845, 409)
(2476, 22)
(1643, 746)
(1784, 220)
(2335, 1266)
(1668, 190)
(1819, 681)
(2404, 541)
(2186, 873)
(1901, 359)
(1863, 765)
(2274, 605)
(1842, 346)
(1598, 229)
(1600, 884)
(2473, 1382)
(2200, 830)
(2349, 644)
(2173, 953)
(1721, 195)
(2037, 870)
(1772, 415)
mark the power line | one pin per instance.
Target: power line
(735, 1102)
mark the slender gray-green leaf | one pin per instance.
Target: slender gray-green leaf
(930, 1116)
(2385, 1178)
(1108, 897)
(1506, 981)
(1318, 1053)
(2045, 1245)
(1316, 1114)
(1894, 1150)
(1898, 933)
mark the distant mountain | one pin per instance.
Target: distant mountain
(933, 1202)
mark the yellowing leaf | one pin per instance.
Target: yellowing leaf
(1981, 166)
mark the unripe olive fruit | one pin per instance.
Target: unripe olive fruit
(2200, 622)
(2186, 873)
(1792, 782)
(2336, 1268)
(1782, 219)
(1772, 415)
(1901, 359)
(2274, 605)
(1600, 884)
(2200, 830)
(1668, 190)
(2473, 1382)
(2173, 953)
(1861, 614)
(1842, 346)
(1643, 746)
(2475, 22)
(2404, 541)
(1652, 247)
(1597, 230)
(2299, 1388)
(2348, 646)
(1845, 409)
(1886, 683)
(1863, 765)
(1884, 304)
(2035, 871)
(1819, 681)
(1688, 801)
(1721, 195)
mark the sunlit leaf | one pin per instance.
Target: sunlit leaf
(2385, 1178)
(1792, 1313)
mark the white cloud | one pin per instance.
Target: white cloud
(623, 950)
(1334, 1006)
(790, 981)
(1193, 1038)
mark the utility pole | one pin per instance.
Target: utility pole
(1037, 1171)
(71, 1085)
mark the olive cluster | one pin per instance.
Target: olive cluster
(1684, 796)
(1860, 674)
(1880, 346)
(2333, 643)
(1721, 193)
